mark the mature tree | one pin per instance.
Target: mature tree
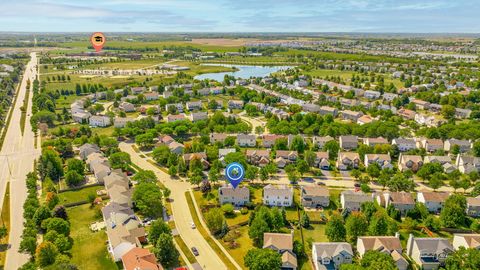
(419, 212)
(161, 154)
(432, 223)
(157, 228)
(251, 173)
(263, 259)
(59, 225)
(46, 253)
(42, 213)
(73, 178)
(356, 226)
(60, 212)
(476, 148)
(332, 147)
(373, 170)
(148, 199)
(165, 250)
(145, 176)
(463, 259)
(453, 212)
(310, 157)
(448, 111)
(215, 219)
(145, 141)
(400, 182)
(205, 187)
(305, 220)
(302, 166)
(378, 224)
(428, 169)
(376, 260)
(50, 165)
(77, 165)
(236, 157)
(256, 230)
(368, 209)
(298, 144)
(120, 160)
(28, 245)
(264, 174)
(335, 229)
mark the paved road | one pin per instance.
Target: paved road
(208, 259)
(17, 156)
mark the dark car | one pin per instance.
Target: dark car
(307, 179)
(320, 183)
(357, 185)
(195, 251)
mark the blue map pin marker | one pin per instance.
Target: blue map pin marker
(234, 173)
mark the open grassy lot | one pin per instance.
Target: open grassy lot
(5, 219)
(78, 195)
(244, 244)
(89, 249)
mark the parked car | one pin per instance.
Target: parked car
(307, 179)
(320, 183)
(193, 225)
(195, 251)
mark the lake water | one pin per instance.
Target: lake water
(243, 72)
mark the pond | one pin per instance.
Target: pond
(242, 71)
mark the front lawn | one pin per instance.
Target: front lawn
(89, 249)
(78, 195)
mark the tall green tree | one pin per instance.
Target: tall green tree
(335, 229)
(356, 226)
(165, 250)
(263, 259)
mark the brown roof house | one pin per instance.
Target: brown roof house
(387, 244)
(269, 140)
(140, 259)
(433, 200)
(409, 162)
(320, 141)
(285, 157)
(429, 253)
(283, 244)
(202, 156)
(315, 196)
(402, 201)
(353, 200)
(348, 142)
(258, 157)
(375, 141)
(430, 145)
(321, 160)
(466, 241)
(348, 160)
(236, 196)
(473, 206)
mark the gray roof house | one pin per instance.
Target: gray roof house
(348, 160)
(236, 196)
(280, 195)
(348, 142)
(467, 164)
(464, 145)
(315, 196)
(353, 200)
(246, 140)
(466, 241)
(387, 244)
(320, 141)
(326, 256)
(87, 149)
(473, 206)
(283, 244)
(429, 253)
(404, 144)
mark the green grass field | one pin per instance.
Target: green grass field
(78, 195)
(89, 250)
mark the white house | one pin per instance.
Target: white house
(280, 195)
(100, 121)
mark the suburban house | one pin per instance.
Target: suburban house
(466, 241)
(463, 145)
(99, 121)
(268, 140)
(353, 200)
(389, 96)
(309, 107)
(235, 104)
(404, 144)
(430, 145)
(383, 160)
(246, 140)
(348, 160)
(258, 157)
(409, 162)
(370, 94)
(428, 253)
(86, 149)
(348, 142)
(387, 244)
(374, 141)
(151, 96)
(406, 114)
(402, 201)
(321, 160)
(331, 255)
(280, 195)
(118, 189)
(236, 196)
(140, 259)
(202, 156)
(473, 206)
(467, 164)
(175, 117)
(420, 104)
(120, 122)
(462, 113)
(324, 110)
(178, 107)
(320, 141)
(176, 147)
(194, 105)
(315, 196)
(365, 119)
(198, 116)
(285, 157)
(445, 161)
(137, 90)
(351, 115)
(81, 117)
(283, 244)
(433, 200)
(217, 137)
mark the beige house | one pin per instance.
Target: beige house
(383, 160)
(409, 162)
(331, 255)
(237, 196)
(348, 160)
(433, 200)
(246, 140)
(321, 141)
(402, 201)
(430, 145)
(387, 244)
(283, 244)
(467, 164)
(321, 160)
(353, 200)
(428, 253)
(466, 241)
(258, 157)
(348, 142)
(463, 145)
(375, 141)
(473, 206)
(315, 196)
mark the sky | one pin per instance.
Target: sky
(392, 16)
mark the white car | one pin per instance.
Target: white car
(193, 225)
